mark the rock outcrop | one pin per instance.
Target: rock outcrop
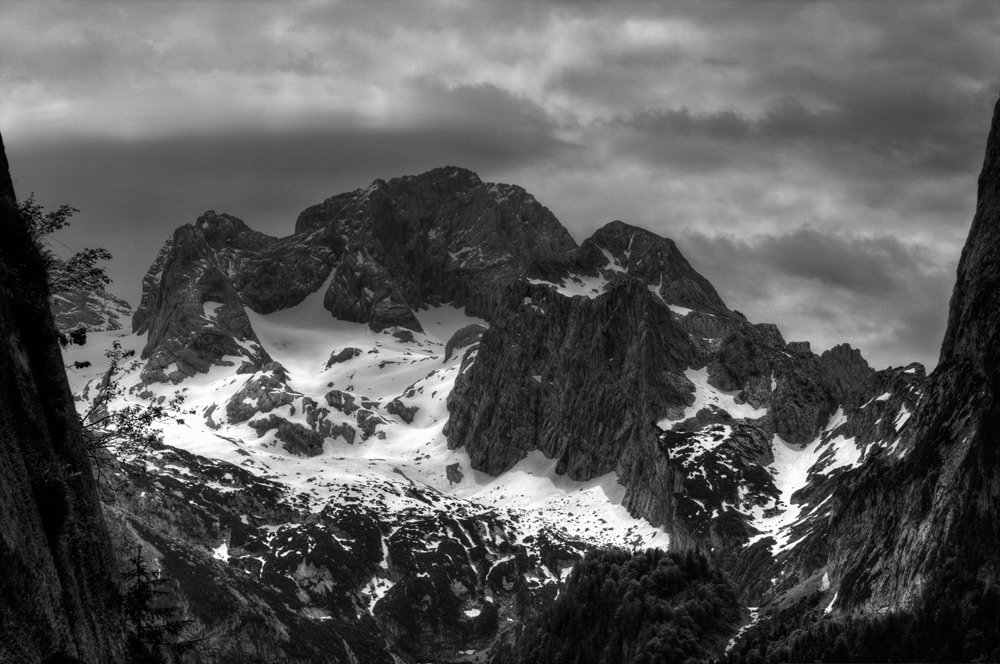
(191, 307)
(622, 249)
(582, 380)
(625, 364)
(444, 236)
(93, 311)
(58, 592)
(909, 523)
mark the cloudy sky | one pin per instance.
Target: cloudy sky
(816, 161)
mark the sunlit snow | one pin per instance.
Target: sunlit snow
(706, 395)
(375, 472)
(791, 471)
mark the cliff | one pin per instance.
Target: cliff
(58, 596)
(906, 524)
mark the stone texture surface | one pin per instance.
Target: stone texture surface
(405, 413)
(93, 311)
(295, 438)
(183, 338)
(582, 380)
(58, 591)
(342, 355)
(618, 248)
(463, 338)
(443, 236)
(936, 511)
(261, 393)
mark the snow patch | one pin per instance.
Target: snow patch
(211, 309)
(680, 311)
(577, 285)
(902, 418)
(706, 396)
(829, 607)
(881, 397)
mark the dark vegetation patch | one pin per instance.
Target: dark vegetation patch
(625, 607)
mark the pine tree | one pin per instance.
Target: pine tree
(153, 629)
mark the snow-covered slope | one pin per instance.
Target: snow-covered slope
(402, 475)
(525, 527)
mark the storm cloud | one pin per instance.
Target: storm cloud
(817, 161)
(875, 291)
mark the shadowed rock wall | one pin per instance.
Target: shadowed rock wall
(936, 515)
(58, 598)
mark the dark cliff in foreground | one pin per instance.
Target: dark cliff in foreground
(906, 524)
(914, 538)
(58, 598)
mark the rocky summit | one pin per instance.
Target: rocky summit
(393, 434)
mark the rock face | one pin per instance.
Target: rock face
(581, 380)
(605, 370)
(92, 311)
(620, 248)
(463, 338)
(615, 356)
(444, 236)
(906, 524)
(191, 307)
(58, 596)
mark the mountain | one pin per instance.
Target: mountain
(393, 433)
(377, 254)
(92, 310)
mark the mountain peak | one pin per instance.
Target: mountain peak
(621, 247)
(448, 173)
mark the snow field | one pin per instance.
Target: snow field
(404, 473)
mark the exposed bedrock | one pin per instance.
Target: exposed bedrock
(903, 525)
(442, 236)
(654, 260)
(58, 587)
(381, 253)
(583, 381)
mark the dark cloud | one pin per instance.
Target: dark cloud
(875, 266)
(878, 293)
(916, 128)
(837, 143)
(151, 186)
(720, 125)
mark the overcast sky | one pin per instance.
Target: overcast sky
(816, 161)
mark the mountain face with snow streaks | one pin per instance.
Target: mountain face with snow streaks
(411, 417)
(92, 311)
